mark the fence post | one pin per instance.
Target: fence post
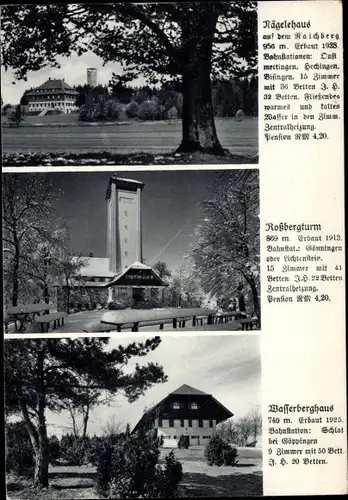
(135, 327)
(194, 321)
(210, 319)
(174, 322)
(119, 328)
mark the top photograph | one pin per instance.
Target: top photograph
(129, 84)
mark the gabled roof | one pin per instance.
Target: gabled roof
(137, 268)
(187, 389)
(182, 390)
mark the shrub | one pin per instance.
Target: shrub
(184, 442)
(127, 467)
(75, 450)
(132, 109)
(19, 451)
(218, 452)
(115, 305)
(53, 449)
(149, 110)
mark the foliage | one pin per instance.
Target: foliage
(149, 110)
(132, 109)
(127, 467)
(218, 452)
(15, 117)
(57, 374)
(54, 450)
(183, 442)
(75, 450)
(226, 252)
(19, 451)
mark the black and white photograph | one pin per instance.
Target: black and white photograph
(136, 250)
(115, 418)
(129, 83)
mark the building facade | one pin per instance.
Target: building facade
(52, 95)
(185, 412)
(92, 77)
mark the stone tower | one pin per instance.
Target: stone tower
(124, 232)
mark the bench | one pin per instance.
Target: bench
(247, 323)
(56, 318)
(10, 319)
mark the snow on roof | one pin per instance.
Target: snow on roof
(96, 266)
(124, 179)
(137, 266)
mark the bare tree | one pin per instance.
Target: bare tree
(227, 248)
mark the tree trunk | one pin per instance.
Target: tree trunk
(256, 301)
(198, 125)
(15, 283)
(41, 452)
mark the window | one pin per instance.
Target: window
(177, 423)
(125, 253)
(194, 423)
(193, 406)
(126, 213)
(165, 423)
(176, 405)
(206, 424)
(194, 437)
(126, 226)
(206, 437)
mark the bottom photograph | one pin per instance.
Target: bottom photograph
(133, 417)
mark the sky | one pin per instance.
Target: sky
(228, 367)
(73, 70)
(171, 209)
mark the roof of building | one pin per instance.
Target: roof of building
(182, 390)
(96, 266)
(138, 266)
(187, 389)
(123, 183)
(53, 85)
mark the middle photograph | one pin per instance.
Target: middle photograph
(133, 250)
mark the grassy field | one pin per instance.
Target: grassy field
(56, 134)
(200, 480)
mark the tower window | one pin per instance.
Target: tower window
(126, 213)
(125, 253)
(126, 226)
(126, 240)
